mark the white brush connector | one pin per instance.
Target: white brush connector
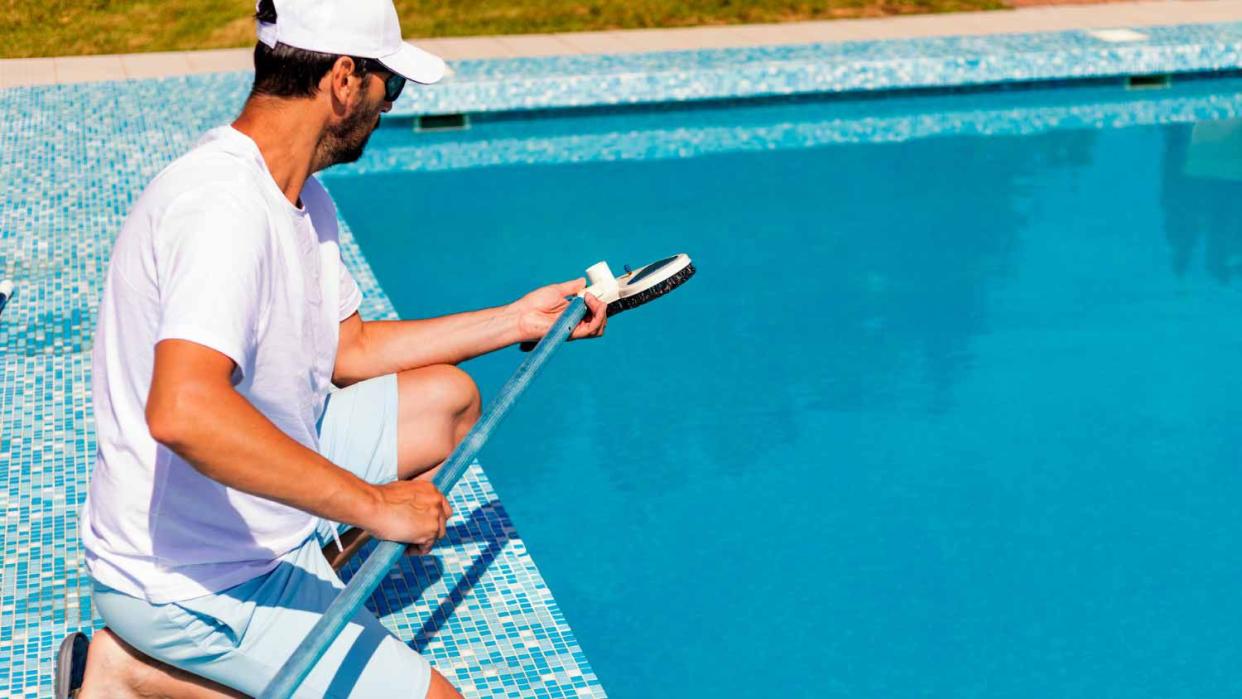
(601, 283)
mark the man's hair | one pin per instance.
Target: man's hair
(286, 71)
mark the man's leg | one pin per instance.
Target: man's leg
(117, 670)
(239, 637)
(436, 407)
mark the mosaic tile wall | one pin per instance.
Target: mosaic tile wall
(72, 159)
(654, 135)
(569, 81)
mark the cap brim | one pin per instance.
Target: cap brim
(413, 63)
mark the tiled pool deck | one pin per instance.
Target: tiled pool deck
(74, 157)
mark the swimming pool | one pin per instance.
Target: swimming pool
(948, 410)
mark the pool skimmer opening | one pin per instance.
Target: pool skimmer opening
(442, 122)
(1149, 82)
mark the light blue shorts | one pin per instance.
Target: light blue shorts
(239, 637)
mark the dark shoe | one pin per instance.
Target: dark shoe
(70, 665)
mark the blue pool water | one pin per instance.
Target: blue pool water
(949, 410)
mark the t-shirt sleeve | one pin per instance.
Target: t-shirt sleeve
(351, 296)
(212, 263)
(323, 212)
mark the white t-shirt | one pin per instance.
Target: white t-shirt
(213, 253)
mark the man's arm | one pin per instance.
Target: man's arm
(193, 410)
(374, 348)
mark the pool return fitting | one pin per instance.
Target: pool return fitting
(628, 291)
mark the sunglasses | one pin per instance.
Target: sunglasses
(393, 84)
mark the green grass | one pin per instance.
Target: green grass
(62, 27)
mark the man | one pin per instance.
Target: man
(224, 467)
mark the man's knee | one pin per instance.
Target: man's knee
(445, 386)
(463, 392)
(438, 406)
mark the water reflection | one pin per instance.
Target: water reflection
(889, 267)
(1202, 190)
(845, 279)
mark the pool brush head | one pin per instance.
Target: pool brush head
(645, 284)
(635, 287)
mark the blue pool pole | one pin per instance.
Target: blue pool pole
(387, 553)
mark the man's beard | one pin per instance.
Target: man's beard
(345, 141)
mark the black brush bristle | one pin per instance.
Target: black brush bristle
(640, 298)
(654, 292)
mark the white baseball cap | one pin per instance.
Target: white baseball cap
(362, 28)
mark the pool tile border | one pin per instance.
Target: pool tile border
(688, 136)
(480, 86)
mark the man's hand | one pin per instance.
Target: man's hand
(411, 512)
(538, 310)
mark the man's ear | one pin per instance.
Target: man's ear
(340, 82)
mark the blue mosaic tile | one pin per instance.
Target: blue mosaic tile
(861, 66)
(655, 135)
